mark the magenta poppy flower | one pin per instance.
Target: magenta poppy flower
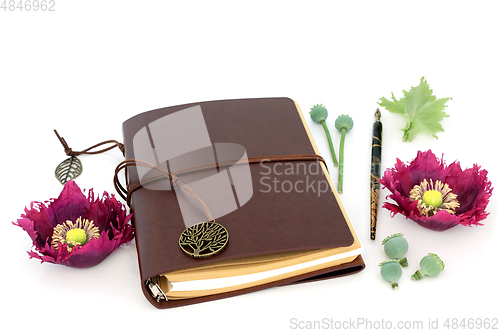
(75, 230)
(435, 195)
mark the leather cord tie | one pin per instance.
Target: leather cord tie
(88, 151)
(126, 194)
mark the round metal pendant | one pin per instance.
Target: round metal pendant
(203, 239)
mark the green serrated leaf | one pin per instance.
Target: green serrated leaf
(422, 110)
(395, 106)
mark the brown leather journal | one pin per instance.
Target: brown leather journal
(254, 163)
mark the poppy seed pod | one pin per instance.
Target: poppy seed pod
(430, 265)
(391, 272)
(396, 246)
(344, 121)
(319, 114)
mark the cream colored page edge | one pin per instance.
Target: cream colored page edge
(307, 266)
(192, 289)
(240, 268)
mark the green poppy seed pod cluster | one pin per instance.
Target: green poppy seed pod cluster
(396, 246)
(344, 124)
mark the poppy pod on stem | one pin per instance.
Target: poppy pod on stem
(76, 230)
(435, 195)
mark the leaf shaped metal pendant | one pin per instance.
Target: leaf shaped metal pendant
(203, 239)
(68, 169)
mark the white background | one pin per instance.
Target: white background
(90, 65)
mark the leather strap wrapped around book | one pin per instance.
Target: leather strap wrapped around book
(127, 193)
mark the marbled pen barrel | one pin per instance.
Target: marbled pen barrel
(375, 172)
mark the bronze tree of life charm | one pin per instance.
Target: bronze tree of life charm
(203, 239)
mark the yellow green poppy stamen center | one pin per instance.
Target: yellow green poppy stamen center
(76, 235)
(73, 234)
(432, 197)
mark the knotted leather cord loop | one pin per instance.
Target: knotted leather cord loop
(87, 151)
(126, 194)
(165, 174)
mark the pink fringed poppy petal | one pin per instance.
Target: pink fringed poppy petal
(473, 189)
(69, 206)
(50, 255)
(426, 166)
(41, 223)
(439, 222)
(101, 211)
(27, 226)
(394, 209)
(43, 259)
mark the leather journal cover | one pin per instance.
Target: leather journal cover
(284, 218)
